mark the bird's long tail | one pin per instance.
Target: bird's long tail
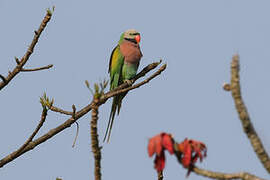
(116, 104)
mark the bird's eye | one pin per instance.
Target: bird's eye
(133, 34)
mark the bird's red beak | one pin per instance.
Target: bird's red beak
(138, 38)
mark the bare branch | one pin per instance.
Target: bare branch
(244, 116)
(56, 109)
(42, 120)
(46, 136)
(218, 175)
(95, 141)
(37, 69)
(79, 114)
(160, 175)
(30, 50)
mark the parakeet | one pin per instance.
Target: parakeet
(124, 62)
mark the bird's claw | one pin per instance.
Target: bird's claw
(129, 82)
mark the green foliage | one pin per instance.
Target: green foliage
(99, 88)
(46, 102)
(49, 11)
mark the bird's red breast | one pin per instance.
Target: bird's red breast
(130, 51)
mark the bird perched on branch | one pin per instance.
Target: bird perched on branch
(124, 62)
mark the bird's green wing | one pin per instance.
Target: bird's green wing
(115, 67)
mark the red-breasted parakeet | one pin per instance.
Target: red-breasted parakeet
(124, 62)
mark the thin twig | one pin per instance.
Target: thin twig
(77, 133)
(71, 120)
(77, 125)
(73, 111)
(41, 122)
(244, 116)
(219, 175)
(29, 51)
(56, 109)
(94, 140)
(46, 136)
(37, 69)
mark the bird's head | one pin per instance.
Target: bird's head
(132, 35)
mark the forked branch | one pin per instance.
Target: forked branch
(30, 50)
(37, 69)
(85, 110)
(18, 152)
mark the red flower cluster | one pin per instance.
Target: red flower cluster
(157, 145)
(188, 151)
(191, 150)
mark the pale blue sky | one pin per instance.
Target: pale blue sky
(195, 38)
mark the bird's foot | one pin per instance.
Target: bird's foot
(129, 82)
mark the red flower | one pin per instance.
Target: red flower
(187, 152)
(191, 150)
(157, 145)
(160, 162)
